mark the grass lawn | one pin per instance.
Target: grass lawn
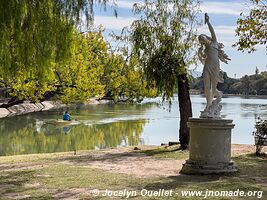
(68, 176)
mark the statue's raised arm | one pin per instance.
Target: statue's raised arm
(212, 32)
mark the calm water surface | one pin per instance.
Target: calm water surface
(103, 126)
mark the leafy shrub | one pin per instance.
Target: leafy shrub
(260, 134)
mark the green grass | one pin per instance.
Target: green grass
(47, 176)
(66, 176)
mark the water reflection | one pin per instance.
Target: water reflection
(50, 138)
(66, 129)
(100, 126)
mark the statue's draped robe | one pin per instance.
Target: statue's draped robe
(212, 63)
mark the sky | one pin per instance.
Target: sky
(223, 16)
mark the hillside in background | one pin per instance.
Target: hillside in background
(255, 84)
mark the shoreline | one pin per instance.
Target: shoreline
(27, 107)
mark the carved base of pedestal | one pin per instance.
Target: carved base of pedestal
(193, 167)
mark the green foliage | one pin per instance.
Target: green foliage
(94, 70)
(261, 128)
(126, 79)
(252, 85)
(245, 85)
(252, 28)
(260, 135)
(80, 78)
(136, 85)
(76, 78)
(163, 39)
(34, 33)
(27, 85)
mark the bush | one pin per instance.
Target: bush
(260, 134)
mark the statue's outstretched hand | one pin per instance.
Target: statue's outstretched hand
(207, 18)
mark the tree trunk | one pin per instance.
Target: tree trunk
(185, 109)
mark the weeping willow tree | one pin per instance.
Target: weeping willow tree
(34, 34)
(163, 39)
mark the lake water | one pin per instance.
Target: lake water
(104, 126)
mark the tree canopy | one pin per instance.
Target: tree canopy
(79, 78)
(252, 27)
(35, 33)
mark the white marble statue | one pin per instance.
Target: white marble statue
(210, 53)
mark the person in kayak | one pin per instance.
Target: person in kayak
(66, 116)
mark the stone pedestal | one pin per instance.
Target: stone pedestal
(209, 147)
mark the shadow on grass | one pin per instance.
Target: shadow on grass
(252, 168)
(12, 185)
(181, 180)
(114, 157)
(251, 176)
(175, 153)
(12, 182)
(152, 152)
